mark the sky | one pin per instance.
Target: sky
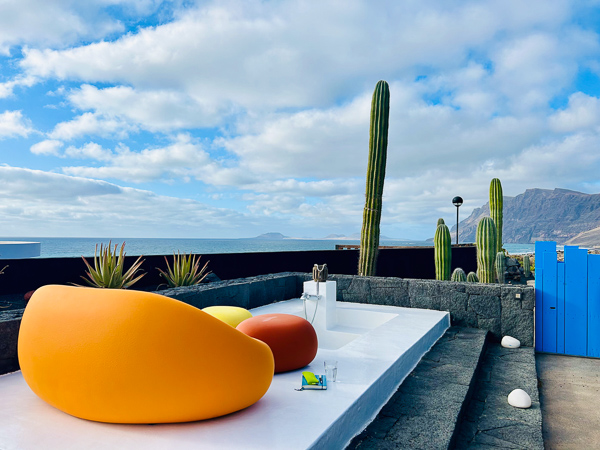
(228, 119)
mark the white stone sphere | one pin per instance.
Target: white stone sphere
(510, 342)
(519, 399)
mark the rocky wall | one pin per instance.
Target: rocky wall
(501, 309)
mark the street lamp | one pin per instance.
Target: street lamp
(457, 201)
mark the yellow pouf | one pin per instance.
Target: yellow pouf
(233, 315)
(124, 356)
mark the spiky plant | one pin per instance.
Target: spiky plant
(496, 204)
(442, 249)
(485, 239)
(108, 269)
(440, 222)
(526, 266)
(458, 275)
(472, 277)
(500, 266)
(185, 271)
(378, 141)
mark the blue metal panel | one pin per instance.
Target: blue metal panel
(540, 248)
(575, 301)
(550, 302)
(560, 308)
(593, 338)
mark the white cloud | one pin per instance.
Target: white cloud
(290, 54)
(332, 143)
(72, 206)
(47, 147)
(582, 112)
(59, 23)
(531, 69)
(13, 124)
(91, 124)
(183, 159)
(157, 110)
(7, 87)
(91, 150)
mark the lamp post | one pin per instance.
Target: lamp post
(457, 201)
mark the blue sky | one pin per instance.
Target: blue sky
(217, 119)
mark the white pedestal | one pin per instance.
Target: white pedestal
(328, 293)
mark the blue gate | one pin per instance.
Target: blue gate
(567, 301)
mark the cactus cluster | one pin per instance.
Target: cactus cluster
(472, 277)
(500, 266)
(442, 249)
(485, 238)
(526, 266)
(378, 140)
(458, 275)
(496, 204)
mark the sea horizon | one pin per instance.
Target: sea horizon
(60, 247)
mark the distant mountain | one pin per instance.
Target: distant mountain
(271, 236)
(561, 215)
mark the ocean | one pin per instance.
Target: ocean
(75, 247)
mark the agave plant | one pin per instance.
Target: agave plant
(185, 271)
(108, 268)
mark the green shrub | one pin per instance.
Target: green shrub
(108, 269)
(185, 271)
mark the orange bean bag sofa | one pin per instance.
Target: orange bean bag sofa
(292, 339)
(121, 356)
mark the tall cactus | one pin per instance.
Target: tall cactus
(500, 266)
(526, 266)
(442, 248)
(458, 275)
(485, 239)
(440, 221)
(496, 203)
(378, 140)
(472, 277)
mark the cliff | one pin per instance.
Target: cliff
(561, 215)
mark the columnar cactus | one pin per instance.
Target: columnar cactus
(458, 275)
(472, 277)
(485, 239)
(496, 203)
(378, 140)
(442, 247)
(500, 266)
(526, 266)
(440, 221)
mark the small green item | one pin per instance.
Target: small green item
(310, 378)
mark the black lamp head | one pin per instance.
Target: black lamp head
(457, 201)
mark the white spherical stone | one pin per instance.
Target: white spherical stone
(519, 399)
(510, 342)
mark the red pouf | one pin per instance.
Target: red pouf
(292, 339)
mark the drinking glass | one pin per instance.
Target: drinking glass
(331, 370)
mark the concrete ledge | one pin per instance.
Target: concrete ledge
(247, 293)
(501, 309)
(425, 411)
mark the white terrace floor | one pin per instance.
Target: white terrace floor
(371, 364)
